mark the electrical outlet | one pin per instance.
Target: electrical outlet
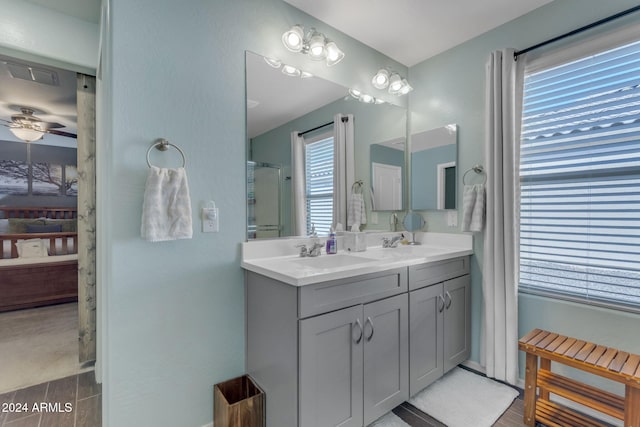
(452, 218)
(210, 220)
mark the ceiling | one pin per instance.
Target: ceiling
(410, 31)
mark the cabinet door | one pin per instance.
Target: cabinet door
(426, 330)
(386, 356)
(457, 321)
(330, 361)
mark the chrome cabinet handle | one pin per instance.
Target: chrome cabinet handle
(359, 325)
(448, 299)
(365, 325)
(441, 303)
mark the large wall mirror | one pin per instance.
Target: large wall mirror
(434, 156)
(279, 104)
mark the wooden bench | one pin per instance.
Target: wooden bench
(596, 359)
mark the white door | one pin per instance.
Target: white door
(387, 186)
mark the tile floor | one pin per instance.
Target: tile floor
(74, 401)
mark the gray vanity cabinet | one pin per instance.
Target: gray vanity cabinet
(353, 363)
(334, 353)
(439, 323)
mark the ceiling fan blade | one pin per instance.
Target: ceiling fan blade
(61, 133)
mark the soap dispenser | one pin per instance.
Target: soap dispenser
(332, 244)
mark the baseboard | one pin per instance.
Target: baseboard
(475, 366)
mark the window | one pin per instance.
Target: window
(319, 168)
(580, 179)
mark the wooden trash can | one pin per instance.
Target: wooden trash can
(238, 402)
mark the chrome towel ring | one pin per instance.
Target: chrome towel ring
(479, 169)
(163, 145)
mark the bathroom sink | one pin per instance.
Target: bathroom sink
(331, 261)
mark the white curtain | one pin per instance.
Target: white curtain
(299, 188)
(343, 176)
(504, 78)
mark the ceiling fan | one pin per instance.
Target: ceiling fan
(28, 127)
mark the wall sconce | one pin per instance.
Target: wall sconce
(314, 44)
(397, 84)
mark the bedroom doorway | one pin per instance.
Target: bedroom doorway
(83, 313)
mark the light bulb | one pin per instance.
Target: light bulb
(367, 99)
(290, 70)
(355, 93)
(317, 49)
(381, 79)
(406, 87)
(395, 83)
(293, 38)
(334, 54)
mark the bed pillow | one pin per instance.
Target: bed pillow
(47, 228)
(32, 248)
(19, 225)
(68, 225)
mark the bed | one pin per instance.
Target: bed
(39, 257)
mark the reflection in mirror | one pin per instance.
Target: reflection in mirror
(264, 183)
(413, 222)
(277, 106)
(387, 172)
(433, 168)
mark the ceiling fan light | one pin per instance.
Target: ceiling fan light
(317, 47)
(293, 38)
(381, 79)
(334, 54)
(290, 70)
(26, 134)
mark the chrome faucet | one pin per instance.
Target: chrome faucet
(391, 243)
(313, 251)
(313, 232)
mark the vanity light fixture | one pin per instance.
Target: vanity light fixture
(397, 84)
(289, 70)
(314, 44)
(364, 97)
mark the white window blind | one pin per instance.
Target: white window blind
(580, 179)
(319, 168)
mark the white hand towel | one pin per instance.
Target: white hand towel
(356, 211)
(468, 203)
(477, 217)
(166, 210)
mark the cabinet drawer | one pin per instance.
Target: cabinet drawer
(435, 272)
(336, 294)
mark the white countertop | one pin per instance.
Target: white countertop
(278, 259)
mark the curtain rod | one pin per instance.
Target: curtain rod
(578, 30)
(344, 119)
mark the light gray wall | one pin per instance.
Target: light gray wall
(449, 88)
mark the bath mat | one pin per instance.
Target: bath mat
(462, 399)
(389, 420)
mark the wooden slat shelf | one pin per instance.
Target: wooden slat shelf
(543, 347)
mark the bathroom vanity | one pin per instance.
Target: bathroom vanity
(343, 339)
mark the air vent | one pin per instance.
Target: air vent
(33, 74)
